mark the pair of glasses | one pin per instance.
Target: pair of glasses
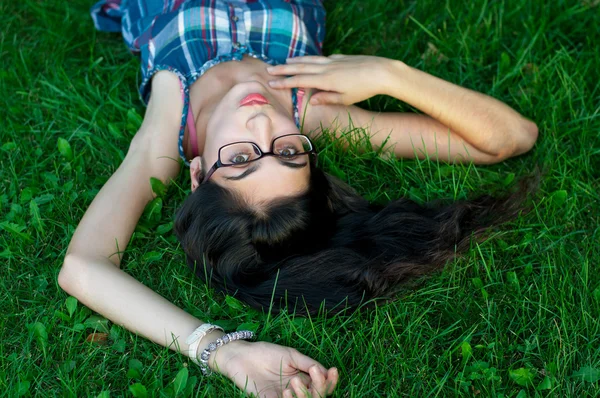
(287, 147)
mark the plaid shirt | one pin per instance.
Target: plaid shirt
(188, 37)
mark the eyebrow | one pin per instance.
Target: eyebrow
(256, 166)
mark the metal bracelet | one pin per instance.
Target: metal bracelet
(228, 338)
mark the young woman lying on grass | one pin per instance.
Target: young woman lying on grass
(262, 219)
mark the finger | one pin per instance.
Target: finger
(318, 386)
(313, 59)
(295, 69)
(333, 377)
(299, 387)
(336, 56)
(304, 363)
(305, 81)
(326, 98)
(287, 393)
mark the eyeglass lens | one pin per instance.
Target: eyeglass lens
(287, 146)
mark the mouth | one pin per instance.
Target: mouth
(254, 99)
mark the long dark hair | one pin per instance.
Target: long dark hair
(329, 246)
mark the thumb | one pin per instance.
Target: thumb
(324, 97)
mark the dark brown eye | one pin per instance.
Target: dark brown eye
(288, 152)
(239, 158)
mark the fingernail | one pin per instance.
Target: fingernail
(314, 101)
(272, 83)
(270, 69)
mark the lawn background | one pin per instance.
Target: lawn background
(517, 316)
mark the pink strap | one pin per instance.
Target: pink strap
(192, 130)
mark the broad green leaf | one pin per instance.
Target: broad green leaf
(484, 293)
(587, 373)
(138, 390)
(68, 366)
(596, 293)
(477, 283)
(226, 324)
(23, 387)
(65, 148)
(546, 384)
(522, 376)
(558, 197)
(512, 278)
(119, 346)
(103, 394)
(25, 195)
(62, 315)
(466, 350)
(36, 219)
(251, 326)
(522, 394)
(78, 327)
(98, 323)
(164, 228)
(136, 364)
(134, 374)
(43, 199)
(509, 178)
(151, 257)
(480, 365)
(71, 303)
(189, 389)
(114, 131)
(15, 230)
(153, 209)
(180, 381)
(234, 303)
(9, 146)
(40, 334)
(158, 187)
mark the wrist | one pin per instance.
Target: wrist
(394, 78)
(226, 356)
(221, 359)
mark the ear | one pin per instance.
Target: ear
(195, 172)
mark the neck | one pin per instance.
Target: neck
(208, 90)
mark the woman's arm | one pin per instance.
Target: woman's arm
(90, 270)
(463, 125)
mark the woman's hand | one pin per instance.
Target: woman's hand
(270, 370)
(342, 79)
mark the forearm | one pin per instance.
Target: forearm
(106, 289)
(482, 121)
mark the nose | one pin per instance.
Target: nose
(261, 126)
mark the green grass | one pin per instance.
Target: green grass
(525, 302)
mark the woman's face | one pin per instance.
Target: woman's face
(233, 121)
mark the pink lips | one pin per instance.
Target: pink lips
(254, 99)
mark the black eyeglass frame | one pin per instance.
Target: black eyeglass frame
(218, 164)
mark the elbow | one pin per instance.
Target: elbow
(529, 134)
(64, 276)
(523, 137)
(69, 274)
